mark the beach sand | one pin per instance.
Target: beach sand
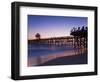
(45, 59)
(68, 60)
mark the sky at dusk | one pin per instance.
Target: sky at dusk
(53, 26)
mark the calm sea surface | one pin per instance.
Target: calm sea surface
(45, 49)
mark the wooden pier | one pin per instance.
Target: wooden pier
(66, 40)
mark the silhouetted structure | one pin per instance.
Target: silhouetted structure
(78, 40)
(65, 40)
(37, 36)
(80, 37)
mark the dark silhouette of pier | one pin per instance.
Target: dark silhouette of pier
(65, 40)
(77, 39)
(80, 36)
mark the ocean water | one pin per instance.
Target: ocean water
(35, 50)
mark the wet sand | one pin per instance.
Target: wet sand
(41, 60)
(68, 60)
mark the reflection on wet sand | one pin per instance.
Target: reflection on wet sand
(42, 59)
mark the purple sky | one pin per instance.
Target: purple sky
(53, 26)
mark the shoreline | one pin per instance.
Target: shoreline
(68, 60)
(33, 61)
